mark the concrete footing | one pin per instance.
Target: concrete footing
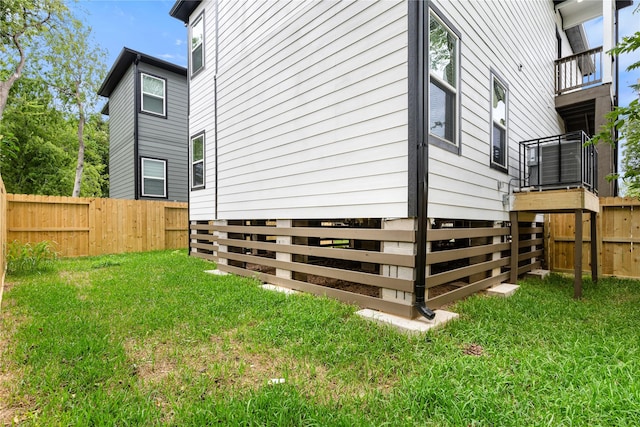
(538, 273)
(502, 290)
(276, 288)
(410, 326)
(216, 272)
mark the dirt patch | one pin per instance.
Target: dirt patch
(344, 285)
(232, 364)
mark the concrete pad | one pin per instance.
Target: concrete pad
(411, 326)
(539, 273)
(216, 272)
(502, 290)
(275, 288)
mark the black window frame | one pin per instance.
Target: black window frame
(166, 177)
(192, 162)
(496, 77)
(164, 98)
(455, 146)
(193, 72)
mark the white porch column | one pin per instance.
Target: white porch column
(283, 240)
(608, 39)
(395, 271)
(221, 248)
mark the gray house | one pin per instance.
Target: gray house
(147, 111)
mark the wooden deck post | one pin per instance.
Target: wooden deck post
(515, 243)
(577, 257)
(594, 247)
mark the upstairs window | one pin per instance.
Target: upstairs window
(499, 146)
(153, 95)
(443, 83)
(197, 45)
(197, 161)
(154, 177)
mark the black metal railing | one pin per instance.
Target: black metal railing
(578, 71)
(561, 161)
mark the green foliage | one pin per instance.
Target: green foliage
(29, 258)
(39, 145)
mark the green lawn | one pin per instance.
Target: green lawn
(150, 339)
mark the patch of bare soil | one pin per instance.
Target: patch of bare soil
(474, 350)
(232, 364)
(344, 285)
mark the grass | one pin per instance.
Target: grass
(150, 339)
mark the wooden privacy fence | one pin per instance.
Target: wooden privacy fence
(3, 234)
(94, 226)
(618, 231)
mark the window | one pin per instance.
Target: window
(197, 45)
(154, 178)
(153, 94)
(197, 161)
(499, 146)
(443, 84)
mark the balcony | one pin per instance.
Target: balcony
(558, 173)
(562, 161)
(578, 71)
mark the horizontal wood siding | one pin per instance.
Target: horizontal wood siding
(618, 229)
(121, 138)
(93, 226)
(312, 109)
(498, 36)
(167, 138)
(202, 115)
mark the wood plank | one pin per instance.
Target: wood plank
(455, 254)
(336, 253)
(334, 273)
(324, 232)
(459, 273)
(551, 201)
(464, 291)
(364, 301)
(463, 233)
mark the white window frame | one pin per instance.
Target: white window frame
(143, 160)
(143, 93)
(194, 162)
(503, 167)
(454, 145)
(198, 20)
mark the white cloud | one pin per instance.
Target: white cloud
(179, 42)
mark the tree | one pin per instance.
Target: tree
(626, 121)
(22, 23)
(36, 150)
(76, 69)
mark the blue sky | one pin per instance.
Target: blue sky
(145, 26)
(142, 25)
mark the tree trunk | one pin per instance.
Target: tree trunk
(5, 86)
(80, 164)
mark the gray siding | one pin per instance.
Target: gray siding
(121, 130)
(167, 138)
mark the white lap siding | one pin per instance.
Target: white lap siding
(312, 109)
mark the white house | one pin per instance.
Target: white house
(369, 150)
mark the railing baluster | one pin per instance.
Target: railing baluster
(579, 70)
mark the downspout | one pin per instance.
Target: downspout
(615, 102)
(422, 187)
(136, 165)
